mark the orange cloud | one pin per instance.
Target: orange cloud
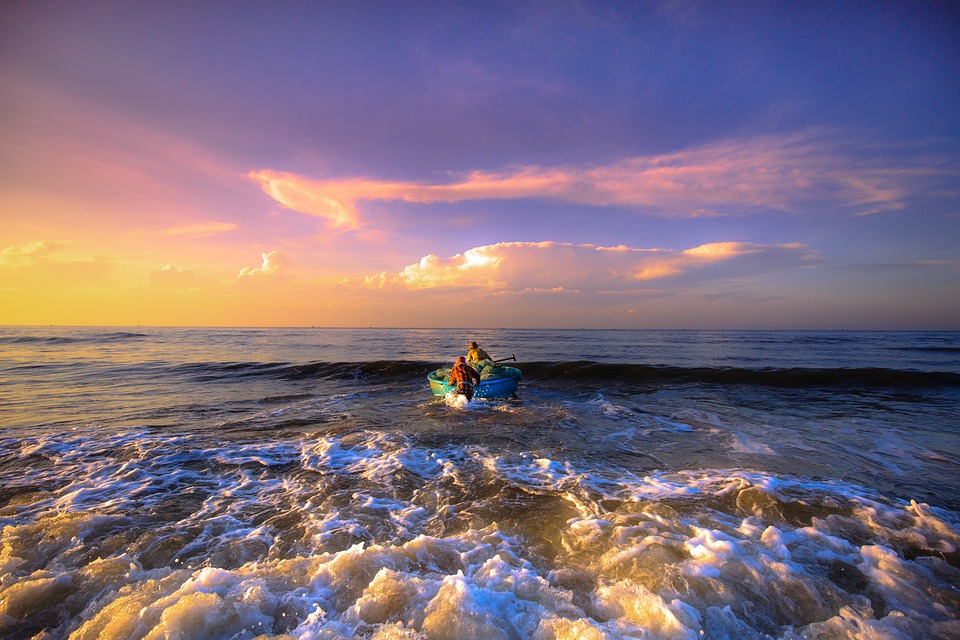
(546, 266)
(786, 173)
(330, 201)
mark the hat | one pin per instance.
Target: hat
(473, 345)
(461, 359)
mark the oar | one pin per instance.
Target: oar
(513, 357)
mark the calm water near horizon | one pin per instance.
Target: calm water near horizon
(238, 483)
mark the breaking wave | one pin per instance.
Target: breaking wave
(587, 372)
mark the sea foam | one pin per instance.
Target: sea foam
(367, 534)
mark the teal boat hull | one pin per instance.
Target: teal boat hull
(500, 387)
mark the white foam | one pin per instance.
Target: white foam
(268, 454)
(370, 534)
(456, 400)
(641, 421)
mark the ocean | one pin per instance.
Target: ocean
(304, 483)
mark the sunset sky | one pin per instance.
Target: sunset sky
(499, 164)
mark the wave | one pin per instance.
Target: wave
(768, 377)
(929, 349)
(291, 371)
(579, 373)
(589, 372)
(112, 336)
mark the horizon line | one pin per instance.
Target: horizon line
(467, 329)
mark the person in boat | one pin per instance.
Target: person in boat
(476, 354)
(464, 376)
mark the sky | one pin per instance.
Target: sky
(557, 164)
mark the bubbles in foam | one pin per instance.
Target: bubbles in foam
(367, 534)
(456, 400)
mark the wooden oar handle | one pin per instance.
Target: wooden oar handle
(513, 357)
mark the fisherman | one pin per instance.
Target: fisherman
(476, 354)
(464, 376)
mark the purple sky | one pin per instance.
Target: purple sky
(645, 164)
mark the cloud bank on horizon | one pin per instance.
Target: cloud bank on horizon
(657, 164)
(552, 266)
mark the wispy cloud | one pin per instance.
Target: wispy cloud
(28, 253)
(49, 261)
(912, 266)
(108, 145)
(554, 266)
(330, 201)
(174, 278)
(798, 173)
(199, 229)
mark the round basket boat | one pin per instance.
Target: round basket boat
(502, 385)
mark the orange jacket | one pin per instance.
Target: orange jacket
(464, 373)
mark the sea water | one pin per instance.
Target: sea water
(304, 483)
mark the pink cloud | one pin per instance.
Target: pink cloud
(785, 173)
(330, 201)
(107, 145)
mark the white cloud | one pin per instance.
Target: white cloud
(274, 263)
